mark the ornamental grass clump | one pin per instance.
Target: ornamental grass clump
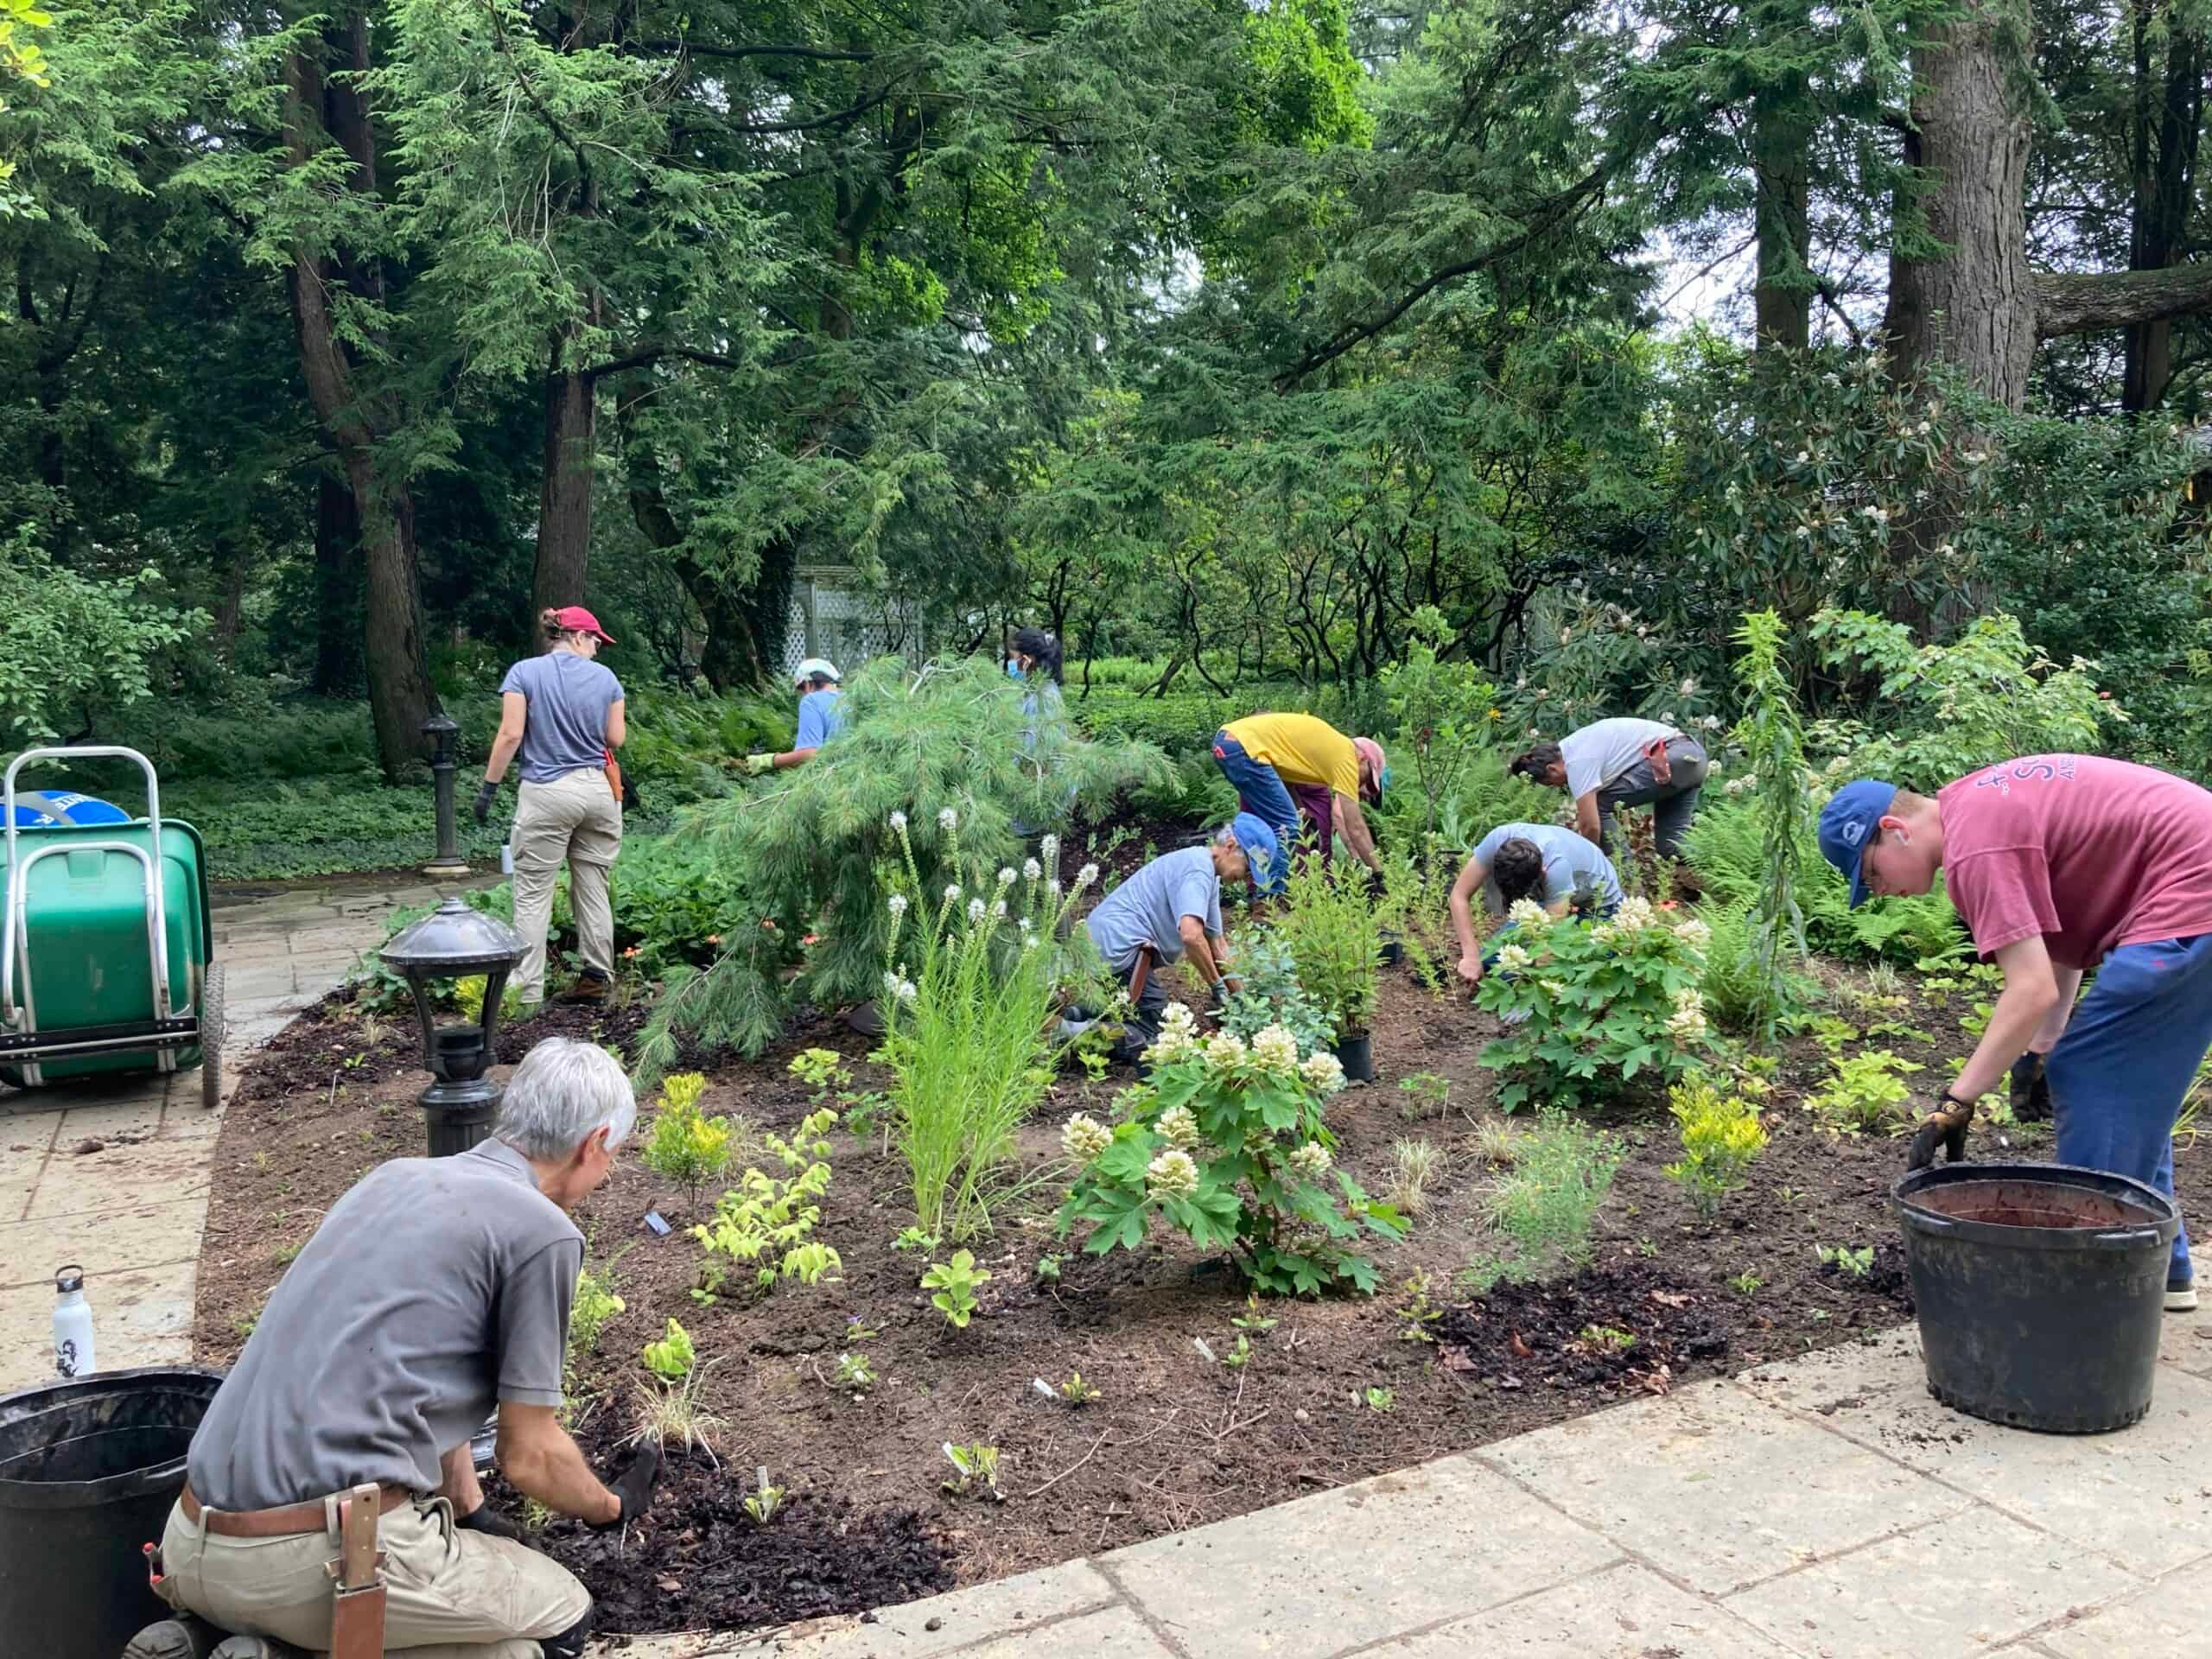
(1601, 1004)
(972, 973)
(1225, 1141)
(1721, 1137)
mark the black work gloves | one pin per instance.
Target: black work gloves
(1945, 1127)
(634, 1486)
(2030, 1090)
(485, 791)
(487, 1520)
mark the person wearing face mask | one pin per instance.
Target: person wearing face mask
(2058, 864)
(1034, 658)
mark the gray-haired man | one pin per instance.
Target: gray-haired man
(432, 1289)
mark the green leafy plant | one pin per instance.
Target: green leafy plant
(1333, 927)
(1543, 1209)
(965, 1026)
(854, 1374)
(591, 1310)
(1866, 1093)
(1381, 1399)
(1774, 749)
(953, 1286)
(468, 999)
(975, 1469)
(1239, 1357)
(1606, 1339)
(1077, 1392)
(1426, 1092)
(769, 1220)
(1722, 1136)
(763, 1501)
(913, 1238)
(1252, 1319)
(1272, 995)
(1746, 1283)
(1047, 1270)
(1419, 1312)
(683, 1146)
(1851, 1264)
(1440, 708)
(1598, 1006)
(1226, 1142)
(671, 1358)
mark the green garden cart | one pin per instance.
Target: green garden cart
(106, 951)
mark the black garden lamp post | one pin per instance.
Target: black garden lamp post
(442, 730)
(454, 942)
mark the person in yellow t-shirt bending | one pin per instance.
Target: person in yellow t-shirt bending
(1280, 764)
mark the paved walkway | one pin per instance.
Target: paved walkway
(130, 1213)
(1827, 1509)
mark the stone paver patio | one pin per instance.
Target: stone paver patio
(1826, 1509)
(131, 1212)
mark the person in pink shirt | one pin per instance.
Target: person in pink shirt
(2059, 864)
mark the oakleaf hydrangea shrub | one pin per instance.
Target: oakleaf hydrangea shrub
(1225, 1142)
(1602, 1004)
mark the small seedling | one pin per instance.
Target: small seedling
(1077, 1392)
(1252, 1319)
(1646, 1249)
(976, 1467)
(1380, 1400)
(855, 1373)
(1425, 1092)
(672, 1357)
(766, 1500)
(953, 1284)
(1048, 1269)
(1606, 1339)
(913, 1238)
(1746, 1283)
(1419, 1312)
(1239, 1357)
(1855, 1264)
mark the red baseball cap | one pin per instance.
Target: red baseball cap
(574, 618)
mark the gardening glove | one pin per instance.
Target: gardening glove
(2030, 1090)
(1374, 884)
(757, 765)
(1217, 998)
(485, 791)
(1945, 1127)
(634, 1486)
(488, 1520)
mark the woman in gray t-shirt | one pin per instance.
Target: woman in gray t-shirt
(564, 713)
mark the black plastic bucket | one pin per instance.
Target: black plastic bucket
(2040, 1289)
(1357, 1056)
(88, 1470)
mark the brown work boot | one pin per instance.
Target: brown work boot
(588, 987)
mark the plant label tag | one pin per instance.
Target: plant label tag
(654, 1221)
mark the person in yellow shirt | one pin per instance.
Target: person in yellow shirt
(1277, 763)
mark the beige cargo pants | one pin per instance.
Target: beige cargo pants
(448, 1594)
(574, 820)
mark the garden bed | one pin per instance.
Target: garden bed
(1334, 1391)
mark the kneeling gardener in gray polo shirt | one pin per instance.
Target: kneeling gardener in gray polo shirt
(435, 1288)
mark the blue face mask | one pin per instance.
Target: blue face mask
(1014, 669)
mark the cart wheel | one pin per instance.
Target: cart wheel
(211, 1037)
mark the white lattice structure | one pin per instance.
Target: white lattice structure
(832, 615)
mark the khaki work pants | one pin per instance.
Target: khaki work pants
(448, 1594)
(574, 819)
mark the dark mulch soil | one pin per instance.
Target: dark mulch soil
(1173, 1441)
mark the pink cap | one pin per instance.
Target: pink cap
(574, 618)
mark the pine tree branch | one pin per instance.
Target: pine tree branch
(653, 355)
(733, 53)
(2068, 303)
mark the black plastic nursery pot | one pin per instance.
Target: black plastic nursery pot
(1357, 1056)
(2040, 1289)
(88, 1470)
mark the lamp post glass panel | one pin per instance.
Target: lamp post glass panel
(442, 731)
(454, 942)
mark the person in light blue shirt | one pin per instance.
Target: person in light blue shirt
(820, 717)
(1554, 866)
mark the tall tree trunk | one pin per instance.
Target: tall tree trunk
(564, 490)
(340, 592)
(2168, 116)
(1781, 169)
(400, 697)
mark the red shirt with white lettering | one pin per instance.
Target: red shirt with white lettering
(2092, 853)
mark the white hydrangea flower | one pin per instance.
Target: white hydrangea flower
(1604, 933)
(1323, 1071)
(1006, 876)
(1687, 1023)
(1694, 933)
(1086, 875)
(1178, 1033)
(1178, 1128)
(1526, 912)
(1224, 1048)
(1689, 686)
(1805, 530)
(1311, 1161)
(1802, 457)
(1083, 1137)
(1514, 959)
(1276, 1049)
(1635, 913)
(975, 910)
(897, 820)
(1032, 869)
(897, 903)
(1174, 1174)
(948, 820)
(1553, 989)
(1712, 723)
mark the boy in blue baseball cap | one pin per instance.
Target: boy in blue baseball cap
(2059, 863)
(1171, 908)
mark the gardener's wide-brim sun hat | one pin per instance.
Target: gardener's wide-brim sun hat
(1261, 850)
(1849, 823)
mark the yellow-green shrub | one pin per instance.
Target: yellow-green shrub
(1721, 1137)
(683, 1146)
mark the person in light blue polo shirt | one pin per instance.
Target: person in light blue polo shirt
(820, 717)
(1554, 866)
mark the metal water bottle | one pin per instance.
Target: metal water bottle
(73, 1326)
(506, 858)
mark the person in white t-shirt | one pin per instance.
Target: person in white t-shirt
(1611, 764)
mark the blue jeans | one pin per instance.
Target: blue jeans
(1260, 792)
(2119, 1075)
